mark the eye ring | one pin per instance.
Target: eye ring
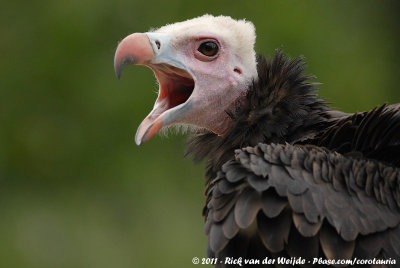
(209, 48)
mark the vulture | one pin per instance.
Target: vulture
(289, 180)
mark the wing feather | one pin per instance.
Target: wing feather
(321, 199)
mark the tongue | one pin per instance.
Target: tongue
(162, 115)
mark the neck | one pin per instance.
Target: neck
(278, 108)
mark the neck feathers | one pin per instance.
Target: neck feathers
(279, 107)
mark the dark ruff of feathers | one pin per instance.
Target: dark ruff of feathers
(280, 107)
(372, 135)
(294, 178)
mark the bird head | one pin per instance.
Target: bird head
(203, 66)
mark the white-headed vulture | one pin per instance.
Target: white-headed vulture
(287, 176)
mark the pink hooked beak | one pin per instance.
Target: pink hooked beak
(133, 49)
(176, 85)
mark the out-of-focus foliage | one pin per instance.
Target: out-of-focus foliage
(75, 191)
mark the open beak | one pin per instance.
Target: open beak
(176, 83)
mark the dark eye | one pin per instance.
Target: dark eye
(208, 48)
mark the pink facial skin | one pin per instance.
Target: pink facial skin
(199, 95)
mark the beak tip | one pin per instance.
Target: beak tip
(117, 69)
(120, 64)
(118, 74)
(138, 142)
(141, 137)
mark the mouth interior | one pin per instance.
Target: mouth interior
(176, 85)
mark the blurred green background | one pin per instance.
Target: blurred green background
(75, 191)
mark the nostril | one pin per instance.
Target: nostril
(158, 44)
(237, 70)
